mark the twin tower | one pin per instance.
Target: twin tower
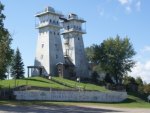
(55, 57)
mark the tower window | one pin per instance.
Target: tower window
(42, 45)
(78, 38)
(56, 56)
(54, 33)
(42, 56)
(68, 27)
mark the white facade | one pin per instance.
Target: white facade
(49, 47)
(73, 44)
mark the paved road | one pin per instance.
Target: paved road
(67, 109)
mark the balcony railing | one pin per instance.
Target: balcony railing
(73, 17)
(55, 24)
(50, 11)
(74, 29)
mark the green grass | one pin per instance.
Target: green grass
(33, 81)
(60, 84)
(86, 86)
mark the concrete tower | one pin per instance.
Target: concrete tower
(73, 43)
(49, 46)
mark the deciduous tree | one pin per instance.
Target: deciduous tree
(115, 56)
(5, 46)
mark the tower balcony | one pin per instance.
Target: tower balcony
(76, 18)
(48, 24)
(48, 10)
(69, 18)
(82, 31)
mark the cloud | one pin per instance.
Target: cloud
(100, 11)
(131, 5)
(145, 49)
(106, 13)
(142, 67)
(142, 70)
(138, 5)
(124, 2)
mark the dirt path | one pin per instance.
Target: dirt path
(67, 109)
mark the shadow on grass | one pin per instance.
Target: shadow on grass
(138, 95)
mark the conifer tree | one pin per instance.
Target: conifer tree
(17, 67)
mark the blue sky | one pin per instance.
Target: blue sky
(104, 18)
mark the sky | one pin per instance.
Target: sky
(105, 18)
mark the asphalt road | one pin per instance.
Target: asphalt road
(67, 109)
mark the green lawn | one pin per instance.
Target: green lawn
(60, 83)
(33, 81)
(86, 86)
(131, 102)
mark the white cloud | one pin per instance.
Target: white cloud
(128, 9)
(142, 70)
(138, 5)
(130, 5)
(142, 67)
(123, 2)
(146, 49)
(100, 10)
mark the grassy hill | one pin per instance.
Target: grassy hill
(33, 81)
(56, 83)
(133, 100)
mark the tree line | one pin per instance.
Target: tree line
(10, 60)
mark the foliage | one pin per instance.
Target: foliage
(89, 53)
(108, 79)
(5, 49)
(115, 56)
(128, 80)
(17, 67)
(95, 77)
(147, 88)
(139, 81)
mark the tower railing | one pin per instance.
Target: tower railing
(73, 17)
(56, 24)
(74, 29)
(50, 11)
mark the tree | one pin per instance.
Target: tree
(108, 79)
(95, 77)
(17, 68)
(147, 88)
(139, 81)
(115, 56)
(5, 46)
(129, 80)
(89, 53)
